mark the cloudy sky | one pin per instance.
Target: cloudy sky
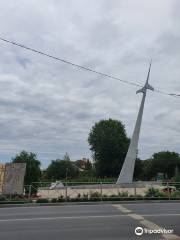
(49, 107)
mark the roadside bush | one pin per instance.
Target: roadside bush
(79, 195)
(79, 198)
(85, 198)
(155, 193)
(95, 196)
(123, 194)
(113, 197)
(16, 198)
(137, 197)
(42, 200)
(175, 194)
(61, 199)
(2, 198)
(76, 199)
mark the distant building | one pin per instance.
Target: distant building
(83, 164)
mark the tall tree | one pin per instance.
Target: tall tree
(177, 176)
(138, 169)
(147, 170)
(33, 171)
(109, 144)
(165, 162)
(162, 162)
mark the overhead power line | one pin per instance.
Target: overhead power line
(82, 67)
(68, 62)
(168, 94)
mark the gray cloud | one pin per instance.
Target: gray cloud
(49, 107)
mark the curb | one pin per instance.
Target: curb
(86, 203)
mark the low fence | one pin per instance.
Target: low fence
(86, 191)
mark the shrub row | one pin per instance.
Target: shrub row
(151, 194)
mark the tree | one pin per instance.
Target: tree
(162, 162)
(177, 176)
(58, 169)
(109, 144)
(165, 162)
(138, 169)
(66, 157)
(147, 170)
(33, 171)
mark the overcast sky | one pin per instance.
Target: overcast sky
(49, 107)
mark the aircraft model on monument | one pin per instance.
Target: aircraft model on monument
(127, 171)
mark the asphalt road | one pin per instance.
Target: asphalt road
(91, 222)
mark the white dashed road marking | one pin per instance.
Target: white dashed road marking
(122, 209)
(146, 223)
(61, 218)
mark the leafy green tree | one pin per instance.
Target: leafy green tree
(109, 144)
(147, 170)
(176, 178)
(162, 162)
(138, 169)
(165, 162)
(59, 169)
(33, 171)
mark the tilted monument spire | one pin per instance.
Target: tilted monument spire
(127, 171)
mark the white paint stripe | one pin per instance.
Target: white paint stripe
(153, 203)
(152, 225)
(136, 216)
(161, 215)
(149, 224)
(171, 237)
(46, 206)
(121, 208)
(56, 218)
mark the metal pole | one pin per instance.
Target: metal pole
(66, 174)
(29, 192)
(135, 190)
(152, 195)
(66, 184)
(101, 190)
(168, 189)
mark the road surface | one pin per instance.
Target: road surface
(91, 222)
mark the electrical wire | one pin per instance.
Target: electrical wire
(68, 62)
(83, 67)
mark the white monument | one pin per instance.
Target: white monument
(127, 171)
